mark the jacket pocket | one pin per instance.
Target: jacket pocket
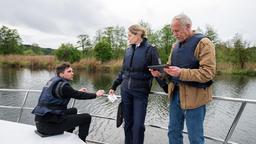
(196, 97)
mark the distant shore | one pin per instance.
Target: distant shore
(50, 62)
(93, 65)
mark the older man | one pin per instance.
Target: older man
(190, 77)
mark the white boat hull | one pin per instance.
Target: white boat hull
(17, 133)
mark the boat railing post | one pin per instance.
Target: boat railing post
(234, 124)
(22, 106)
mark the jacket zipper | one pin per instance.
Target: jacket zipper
(129, 82)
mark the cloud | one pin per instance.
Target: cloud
(50, 16)
(50, 22)
(53, 18)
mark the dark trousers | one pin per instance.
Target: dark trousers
(134, 110)
(52, 124)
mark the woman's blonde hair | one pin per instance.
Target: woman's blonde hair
(135, 29)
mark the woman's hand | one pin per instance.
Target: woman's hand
(111, 92)
(155, 73)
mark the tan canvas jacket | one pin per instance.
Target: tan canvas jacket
(192, 97)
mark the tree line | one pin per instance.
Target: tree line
(110, 43)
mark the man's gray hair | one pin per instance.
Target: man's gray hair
(183, 19)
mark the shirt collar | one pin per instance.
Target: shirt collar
(138, 45)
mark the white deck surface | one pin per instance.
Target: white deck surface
(17, 133)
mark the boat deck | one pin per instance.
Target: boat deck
(17, 133)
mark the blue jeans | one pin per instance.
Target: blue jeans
(194, 121)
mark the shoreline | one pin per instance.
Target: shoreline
(92, 65)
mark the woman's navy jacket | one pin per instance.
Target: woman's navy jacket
(134, 73)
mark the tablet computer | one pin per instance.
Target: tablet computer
(158, 67)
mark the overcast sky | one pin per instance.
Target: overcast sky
(52, 22)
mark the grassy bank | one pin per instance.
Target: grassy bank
(229, 68)
(50, 62)
(93, 65)
(34, 62)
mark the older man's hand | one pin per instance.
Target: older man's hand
(173, 71)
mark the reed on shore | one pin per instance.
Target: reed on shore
(93, 65)
(50, 62)
(34, 62)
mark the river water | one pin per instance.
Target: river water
(219, 117)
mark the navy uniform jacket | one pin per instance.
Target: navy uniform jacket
(56, 95)
(134, 74)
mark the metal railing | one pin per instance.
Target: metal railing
(235, 121)
(224, 141)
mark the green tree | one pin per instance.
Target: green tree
(10, 41)
(151, 35)
(211, 33)
(84, 42)
(28, 52)
(67, 52)
(222, 52)
(240, 55)
(119, 42)
(162, 39)
(120, 36)
(33, 49)
(116, 37)
(166, 42)
(252, 54)
(103, 51)
(108, 35)
(98, 36)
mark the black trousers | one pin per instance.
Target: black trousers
(51, 124)
(134, 111)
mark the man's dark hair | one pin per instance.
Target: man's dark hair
(61, 68)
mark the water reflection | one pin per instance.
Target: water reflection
(219, 116)
(8, 77)
(102, 80)
(230, 85)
